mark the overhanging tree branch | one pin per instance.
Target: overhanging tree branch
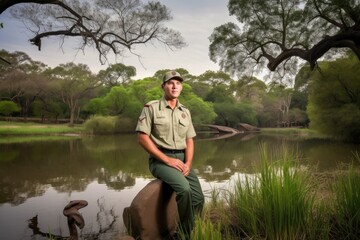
(104, 25)
(282, 29)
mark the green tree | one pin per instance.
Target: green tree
(48, 108)
(298, 117)
(72, 83)
(251, 90)
(302, 79)
(334, 99)
(203, 83)
(232, 114)
(142, 89)
(270, 115)
(96, 106)
(283, 98)
(116, 100)
(280, 32)
(108, 26)
(23, 81)
(202, 112)
(215, 78)
(220, 93)
(117, 74)
(7, 108)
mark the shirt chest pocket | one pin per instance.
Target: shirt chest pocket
(183, 127)
(161, 126)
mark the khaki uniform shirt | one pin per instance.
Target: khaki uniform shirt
(168, 128)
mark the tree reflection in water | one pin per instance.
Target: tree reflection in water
(105, 220)
(39, 177)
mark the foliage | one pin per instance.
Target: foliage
(117, 74)
(298, 117)
(7, 108)
(52, 109)
(220, 94)
(347, 205)
(278, 202)
(334, 99)
(213, 79)
(95, 106)
(116, 100)
(201, 112)
(277, 33)
(205, 229)
(72, 83)
(232, 114)
(22, 129)
(109, 125)
(72, 90)
(140, 89)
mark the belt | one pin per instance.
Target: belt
(173, 151)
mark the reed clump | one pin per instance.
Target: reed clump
(280, 201)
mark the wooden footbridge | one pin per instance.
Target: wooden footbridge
(222, 128)
(243, 126)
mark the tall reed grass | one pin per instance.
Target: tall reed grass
(279, 202)
(346, 222)
(276, 202)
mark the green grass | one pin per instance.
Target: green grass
(346, 223)
(281, 201)
(16, 128)
(206, 230)
(305, 132)
(23, 139)
(277, 203)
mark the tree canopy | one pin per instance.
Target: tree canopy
(277, 33)
(334, 99)
(71, 92)
(108, 26)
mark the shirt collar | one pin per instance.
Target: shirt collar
(164, 104)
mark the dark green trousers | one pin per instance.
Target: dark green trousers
(189, 195)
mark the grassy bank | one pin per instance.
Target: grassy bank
(110, 125)
(21, 129)
(306, 132)
(283, 201)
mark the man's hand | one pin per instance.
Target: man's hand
(179, 165)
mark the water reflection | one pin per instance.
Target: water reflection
(38, 179)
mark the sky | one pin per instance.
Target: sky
(194, 19)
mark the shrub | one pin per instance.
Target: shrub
(109, 125)
(7, 108)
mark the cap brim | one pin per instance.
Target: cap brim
(175, 77)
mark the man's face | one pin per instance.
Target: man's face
(172, 89)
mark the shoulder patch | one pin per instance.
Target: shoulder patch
(183, 106)
(151, 103)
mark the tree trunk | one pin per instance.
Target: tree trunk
(72, 115)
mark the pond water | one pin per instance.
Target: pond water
(39, 178)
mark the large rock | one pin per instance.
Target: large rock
(153, 213)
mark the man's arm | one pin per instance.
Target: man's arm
(189, 154)
(145, 141)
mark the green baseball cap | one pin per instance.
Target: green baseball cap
(171, 75)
